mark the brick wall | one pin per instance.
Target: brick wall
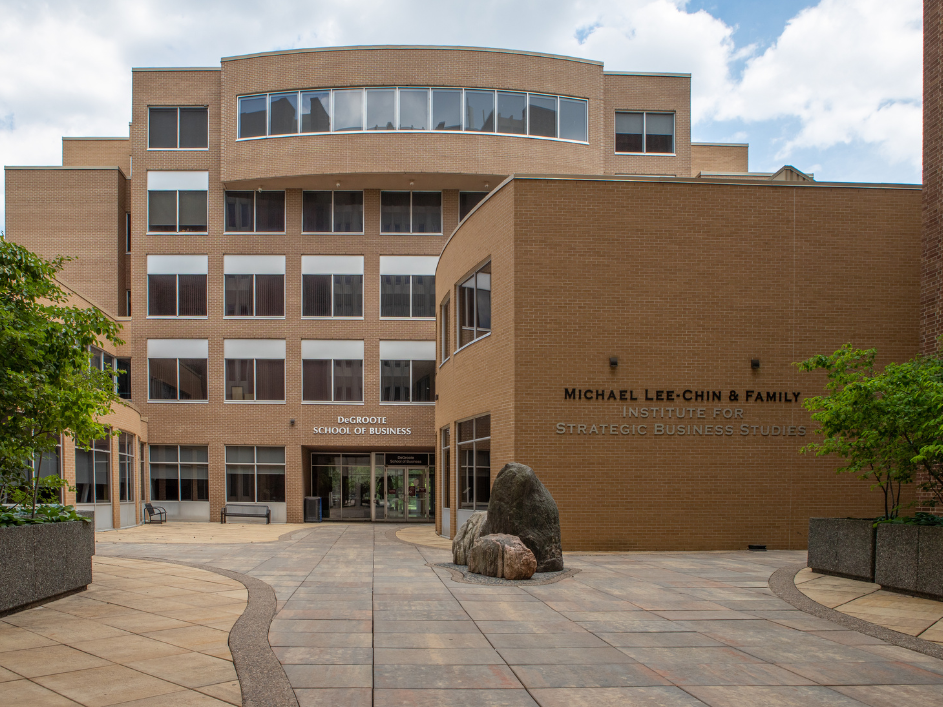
(714, 157)
(97, 152)
(932, 273)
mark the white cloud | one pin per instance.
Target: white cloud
(845, 70)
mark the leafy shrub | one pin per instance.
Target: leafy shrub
(47, 513)
(918, 518)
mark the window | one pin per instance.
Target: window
(179, 473)
(444, 329)
(124, 378)
(474, 306)
(93, 472)
(468, 200)
(255, 474)
(177, 129)
(176, 285)
(254, 285)
(417, 109)
(407, 286)
(125, 467)
(127, 303)
(176, 202)
(255, 370)
(100, 360)
(176, 369)
(332, 212)
(410, 212)
(127, 233)
(645, 132)
(474, 459)
(332, 286)
(407, 371)
(446, 465)
(47, 464)
(255, 212)
(332, 371)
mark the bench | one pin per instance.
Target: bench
(245, 510)
(153, 511)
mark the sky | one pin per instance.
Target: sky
(832, 87)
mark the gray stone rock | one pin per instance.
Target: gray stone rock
(842, 546)
(466, 536)
(521, 506)
(502, 556)
(909, 558)
(930, 567)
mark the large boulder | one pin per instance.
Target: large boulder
(466, 536)
(502, 556)
(521, 506)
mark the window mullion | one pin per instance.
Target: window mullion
(645, 132)
(410, 212)
(177, 381)
(177, 227)
(333, 196)
(178, 128)
(332, 381)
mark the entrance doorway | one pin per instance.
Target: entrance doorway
(375, 486)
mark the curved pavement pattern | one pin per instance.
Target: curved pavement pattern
(362, 620)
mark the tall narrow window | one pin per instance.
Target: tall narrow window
(315, 111)
(474, 460)
(381, 109)
(93, 472)
(445, 464)
(124, 378)
(542, 114)
(512, 113)
(252, 116)
(283, 113)
(254, 285)
(446, 109)
(479, 111)
(126, 446)
(474, 306)
(414, 109)
(444, 329)
(332, 371)
(573, 119)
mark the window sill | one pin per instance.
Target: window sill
(409, 233)
(428, 131)
(407, 319)
(185, 402)
(253, 317)
(157, 316)
(178, 149)
(177, 233)
(473, 341)
(445, 360)
(340, 319)
(431, 403)
(255, 402)
(645, 154)
(254, 233)
(331, 402)
(332, 233)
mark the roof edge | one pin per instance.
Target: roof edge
(54, 166)
(91, 137)
(176, 68)
(647, 73)
(388, 47)
(722, 144)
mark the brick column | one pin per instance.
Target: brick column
(931, 285)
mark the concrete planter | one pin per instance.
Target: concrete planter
(38, 562)
(843, 547)
(909, 558)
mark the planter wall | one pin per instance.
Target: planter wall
(842, 546)
(910, 558)
(38, 562)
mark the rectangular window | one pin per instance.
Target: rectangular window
(283, 113)
(474, 306)
(254, 285)
(407, 286)
(127, 233)
(255, 369)
(332, 371)
(255, 474)
(125, 467)
(316, 111)
(474, 455)
(124, 378)
(542, 115)
(414, 109)
(177, 128)
(177, 369)
(479, 111)
(381, 109)
(332, 212)
(252, 116)
(407, 371)
(446, 109)
(93, 472)
(348, 110)
(445, 463)
(176, 285)
(179, 473)
(410, 212)
(573, 119)
(255, 212)
(332, 286)
(47, 464)
(512, 113)
(468, 200)
(444, 328)
(127, 303)
(176, 202)
(645, 132)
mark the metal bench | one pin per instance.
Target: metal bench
(245, 510)
(155, 511)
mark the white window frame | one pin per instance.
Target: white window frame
(189, 267)
(645, 152)
(259, 265)
(177, 181)
(333, 191)
(178, 148)
(177, 349)
(232, 346)
(458, 303)
(345, 263)
(444, 328)
(396, 103)
(337, 350)
(178, 463)
(255, 476)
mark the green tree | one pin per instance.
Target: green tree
(887, 425)
(47, 387)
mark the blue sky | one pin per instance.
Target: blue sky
(829, 86)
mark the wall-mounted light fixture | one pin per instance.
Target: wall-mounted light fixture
(754, 363)
(487, 186)
(338, 185)
(613, 361)
(292, 422)
(412, 183)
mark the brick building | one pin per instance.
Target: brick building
(270, 236)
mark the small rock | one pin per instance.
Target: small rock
(520, 505)
(466, 536)
(502, 556)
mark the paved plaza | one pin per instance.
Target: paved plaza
(361, 616)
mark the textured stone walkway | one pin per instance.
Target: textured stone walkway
(362, 619)
(144, 633)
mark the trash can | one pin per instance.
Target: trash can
(312, 509)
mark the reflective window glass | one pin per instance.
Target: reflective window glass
(240, 211)
(252, 116)
(543, 116)
(348, 110)
(270, 212)
(348, 212)
(381, 109)
(394, 212)
(162, 211)
(512, 113)
(283, 113)
(479, 111)
(316, 112)
(629, 135)
(194, 129)
(413, 109)
(316, 295)
(659, 132)
(162, 128)
(316, 212)
(192, 211)
(427, 212)
(573, 119)
(446, 109)
(468, 200)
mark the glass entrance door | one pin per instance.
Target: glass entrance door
(417, 486)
